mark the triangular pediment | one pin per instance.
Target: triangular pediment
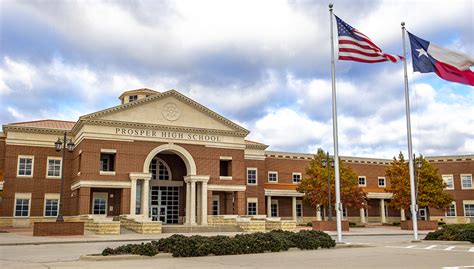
(169, 108)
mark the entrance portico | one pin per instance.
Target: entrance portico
(195, 191)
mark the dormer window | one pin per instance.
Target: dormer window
(132, 98)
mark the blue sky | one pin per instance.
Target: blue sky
(263, 64)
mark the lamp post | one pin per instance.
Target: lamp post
(62, 145)
(324, 163)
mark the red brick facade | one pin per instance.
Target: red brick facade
(83, 177)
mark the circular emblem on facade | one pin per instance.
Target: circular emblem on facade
(171, 112)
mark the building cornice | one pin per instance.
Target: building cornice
(238, 129)
(112, 123)
(37, 130)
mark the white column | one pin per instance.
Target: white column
(293, 205)
(269, 206)
(145, 191)
(188, 203)
(133, 196)
(204, 203)
(382, 210)
(362, 215)
(402, 214)
(199, 202)
(318, 213)
(193, 203)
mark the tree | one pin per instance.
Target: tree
(315, 186)
(430, 185)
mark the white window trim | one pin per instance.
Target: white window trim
(50, 196)
(110, 151)
(32, 166)
(247, 177)
(293, 177)
(22, 196)
(275, 202)
(466, 202)
(252, 200)
(170, 176)
(466, 188)
(365, 181)
(225, 158)
(300, 202)
(216, 198)
(455, 211)
(378, 182)
(107, 173)
(268, 176)
(452, 180)
(60, 167)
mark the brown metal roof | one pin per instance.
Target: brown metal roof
(53, 124)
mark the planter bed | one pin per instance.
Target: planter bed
(193, 246)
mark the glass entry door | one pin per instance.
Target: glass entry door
(158, 213)
(165, 204)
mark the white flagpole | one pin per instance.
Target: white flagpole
(334, 129)
(413, 206)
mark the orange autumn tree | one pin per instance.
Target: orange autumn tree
(430, 185)
(315, 185)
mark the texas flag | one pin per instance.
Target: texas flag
(447, 64)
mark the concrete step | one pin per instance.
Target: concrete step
(199, 229)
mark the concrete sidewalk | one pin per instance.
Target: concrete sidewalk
(24, 236)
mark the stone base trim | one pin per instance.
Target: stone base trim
(327, 225)
(285, 225)
(58, 228)
(141, 225)
(422, 225)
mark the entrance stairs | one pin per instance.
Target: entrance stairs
(199, 229)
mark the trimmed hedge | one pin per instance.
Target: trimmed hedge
(193, 246)
(453, 232)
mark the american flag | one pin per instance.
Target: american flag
(355, 46)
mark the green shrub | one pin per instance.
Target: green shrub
(453, 232)
(395, 223)
(194, 246)
(309, 224)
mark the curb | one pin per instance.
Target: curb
(447, 242)
(77, 242)
(98, 257)
(376, 234)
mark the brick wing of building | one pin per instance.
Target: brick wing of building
(165, 157)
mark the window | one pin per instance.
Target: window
(159, 169)
(215, 205)
(344, 212)
(54, 167)
(381, 182)
(25, 166)
(225, 166)
(252, 209)
(272, 176)
(107, 162)
(451, 210)
(252, 206)
(299, 208)
(296, 177)
(51, 207)
(252, 176)
(362, 182)
(132, 98)
(79, 164)
(99, 203)
(469, 210)
(448, 180)
(466, 181)
(274, 208)
(22, 205)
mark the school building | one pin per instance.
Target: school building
(163, 156)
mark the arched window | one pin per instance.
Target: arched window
(159, 169)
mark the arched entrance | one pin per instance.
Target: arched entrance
(162, 193)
